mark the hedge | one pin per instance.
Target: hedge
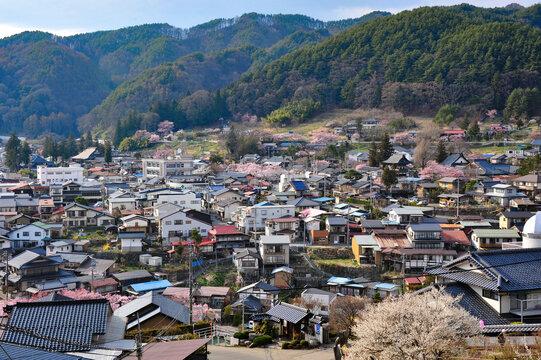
(262, 340)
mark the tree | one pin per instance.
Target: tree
(13, 152)
(474, 130)
(353, 175)
(465, 123)
(216, 159)
(196, 236)
(528, 165)
(428, 326)
(373, 159)
(345, 311)
(434, 171)
(385, 148)
(389, 177)
(81, 200)
(441, 152)
(25, 154)
(108, 152)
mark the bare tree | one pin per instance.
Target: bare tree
(426, 145)
(345, 311)
(426, 326)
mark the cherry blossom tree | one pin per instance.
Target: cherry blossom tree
(142, 134)
(323, 136)
(492, 113)
(434, 171)
(154, 138)
(426, 326)
(165, 127)
(404, 138)
(162, 153)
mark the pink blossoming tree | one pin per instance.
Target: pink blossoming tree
(434, 171)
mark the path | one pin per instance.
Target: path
(271, 353)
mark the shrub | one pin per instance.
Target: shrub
(262, 340)
(237, 319)
(241, 335)
(304, 343)
(295, 342)
(285, 345)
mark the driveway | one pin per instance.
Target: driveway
(271, 353)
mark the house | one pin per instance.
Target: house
(455, 160)
(226, 208)
(179, 224)
(131, 241)
(104, 286)
(318, 237)
(30, 271)
(451, 184)
(283, 226)
(320, 300)
(409, 215)
(398, 162)
(216, 297)
(185, 199)
(506, 284)
(293, 320)
(265, 293)
(135, 223)
(528, 184)
(79, 324)
(370, 123)
(252, 218)
(195, 349)
(151, 311)
(59, 175)
(164, 168)
(228, 237)
(345, 286)
(502, 193)
(128, 278)
(64, 246)
(484, 167)
(486, 239)
(31, 235)
(122, 204)
(247, 261)
(303, 203)
(517, 219)
(282, 277)
(45, 207)
(274, 250)
(157, 286)
(336, 226)
(366, 249)
(77, 215)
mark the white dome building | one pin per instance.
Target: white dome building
(531, 234)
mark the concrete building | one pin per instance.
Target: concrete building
(59, 175)
(163, 168)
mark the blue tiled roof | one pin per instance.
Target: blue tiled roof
(299, 185)
(288, 312)
(73, 320)
(151, 285)
(15, 352)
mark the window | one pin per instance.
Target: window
(490, 294)
(188, 222)
(178, 222)
(168, 223)
(26, 233)
(37, 233)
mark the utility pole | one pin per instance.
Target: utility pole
(6, 282)
(190, 280)
(403, 274)
(92, 266)
(138, 345)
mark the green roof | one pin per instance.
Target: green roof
(42, 225)
(496, 233)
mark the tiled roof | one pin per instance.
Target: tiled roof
(288, 312)
(73, 320)
(224, 230)
(251, 304)
(16, 352)
(137, 274)
(455, 236)
(166, 306)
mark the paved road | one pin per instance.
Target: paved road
(241, 353)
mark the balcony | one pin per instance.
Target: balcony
(490, 246)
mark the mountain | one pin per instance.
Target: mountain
(413, 61)
(47, 81)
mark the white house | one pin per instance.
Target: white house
(122, 204)
(253, 217)
(60, 246)
(59, 175)
(163, 168)
(31, 235)
(179, 225)
(186, 199)
(320, 299)
(274, 250)
(131, 241)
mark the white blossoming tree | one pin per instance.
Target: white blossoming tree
(428, 326)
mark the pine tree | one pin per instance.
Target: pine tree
(389, 177)
(25, 153)
(385, 148)
(107, 152)
(373, 158)
(465, 123)
(71, 146)
(13, 148)
(441, 153)
(117, 136)
(474, 130)
(89, 142)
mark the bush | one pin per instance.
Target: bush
(237, 319)
(241, 335)
(285, 345)
(295, 342)
(304, 344)
(262, 340)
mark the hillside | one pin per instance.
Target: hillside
(414, 61)
(83, 69)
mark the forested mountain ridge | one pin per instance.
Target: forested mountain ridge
(47, 81)
(415, 60)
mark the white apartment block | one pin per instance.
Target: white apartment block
(59, 175)
(253, 217)
(186, 199)
(163, 168)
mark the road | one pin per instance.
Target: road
(241, 353)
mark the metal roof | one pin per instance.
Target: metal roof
(496, 233)
(151, 285)
(288, 312)
(137, 274)
(165, 306)
(17, 352)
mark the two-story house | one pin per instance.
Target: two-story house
(252, 218)
(31, 235)
(501, 194)
(409, 215)
(336, 227)
(228, 237)
(77, 215)
(487, 239)
(274, 250)
(288, 225)
(528, 184)
(135, 223)
(247, 261)
(178, 225)
(517, 219)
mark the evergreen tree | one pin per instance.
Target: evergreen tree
(25, 154)
(389, 177)
(465, 123)
(13, 148)
(373, 158)
(441, 153)
(117, 136)
(474, 130)
(385, 148)
(107, 152)
(71, 146)
(89, 142)
(232, 141)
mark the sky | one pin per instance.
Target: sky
(68, 17)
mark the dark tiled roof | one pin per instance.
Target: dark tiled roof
(519, 270)
(128, 275)
(16, 352)
(251, 304)
(517, 214)
(73, 320)
(336, 220)
(288, 312)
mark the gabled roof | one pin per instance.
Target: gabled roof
(166, 306)
(336, 220)
(455, 236)
(290, 313)
(519, 269)
(250, 304)
(261, 285)
(18, 352)
(71, 320)
(151, 285)
(397, 159)
(451, 159)
(303, 202)
(136, 274)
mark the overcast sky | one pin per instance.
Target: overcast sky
(67, 17)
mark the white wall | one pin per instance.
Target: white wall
(59, 175)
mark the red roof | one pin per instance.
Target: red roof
(416, 280)
(207, 241)
(60, 210)
(224, 230)
(455, 236)
(455, 132)
(104, 282)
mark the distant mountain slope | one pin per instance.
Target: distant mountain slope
(46, 81)
(463, 45)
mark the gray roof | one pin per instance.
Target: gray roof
(73, 320)
(303, 202)
(425, 227)
(336, 220)
(451, 159)
(288, 312)
(17, 352)
(168, 307)
(136, 274)
(372, 224)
